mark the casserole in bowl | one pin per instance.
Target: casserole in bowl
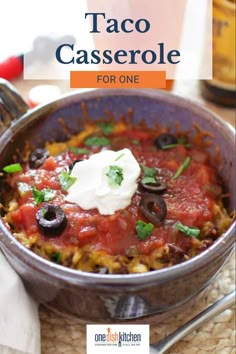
(113, 296)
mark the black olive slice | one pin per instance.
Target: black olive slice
(51, 220)
(165, 139)
(157, 187)
(37, 157)
(72, 164)
(153, 207)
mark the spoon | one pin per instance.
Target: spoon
(206, 315)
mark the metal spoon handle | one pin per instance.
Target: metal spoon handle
(206, 315)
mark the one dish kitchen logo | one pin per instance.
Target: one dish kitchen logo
(132, 339)
(118, 338)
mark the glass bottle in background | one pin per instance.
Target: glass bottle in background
(222, 88)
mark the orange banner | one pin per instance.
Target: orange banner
(118, 79)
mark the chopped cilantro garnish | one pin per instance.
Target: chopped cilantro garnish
(106, 127)
(143, 229)
(15, 167)
(149, 180)
(45, 195)
(66, 180)
(136, 142)
(181, 140)
(188, 231)
(182, 167)
(96, 141)
(56, 257)
(149, 175)
(43, 211)
(120, 156)
(115, 175)
(171, 146)
(78, 151)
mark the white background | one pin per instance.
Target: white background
(91, 330)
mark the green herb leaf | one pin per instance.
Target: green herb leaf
(149, 175)
(172, 146)
(15, 167)
(38, 195)
(56, 257)
(182, 167)
(148, 171)
(181, 140)
(115, 175)
(188, 231)
(106, 127)
(96, 141)
(136, 142)
(78, 151)
(66, 181)
(143, 229)
(149, 180)
(43, 211)
(45, 195)
(119, 157)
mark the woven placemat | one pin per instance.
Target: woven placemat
(61, 335)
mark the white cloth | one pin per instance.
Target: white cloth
(19, 320)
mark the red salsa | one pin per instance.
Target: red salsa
(191, 191)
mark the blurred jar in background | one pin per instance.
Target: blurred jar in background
(222, 88)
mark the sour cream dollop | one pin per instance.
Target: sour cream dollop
(94, 188)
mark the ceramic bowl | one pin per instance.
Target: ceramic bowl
(109, 298)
